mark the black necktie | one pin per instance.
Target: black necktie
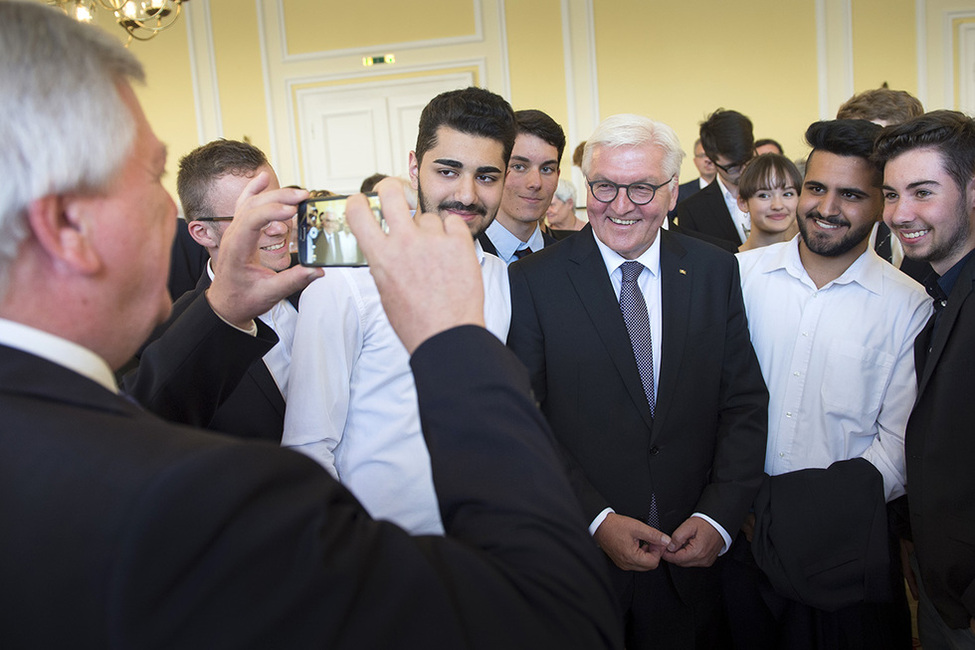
(523, 252)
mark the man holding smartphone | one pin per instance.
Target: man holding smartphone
(352, 404)
(186, 377)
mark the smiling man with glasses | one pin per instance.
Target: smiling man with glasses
(728, 141)
(205, 392)
(636, 343)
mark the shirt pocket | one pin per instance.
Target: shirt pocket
(855, 379)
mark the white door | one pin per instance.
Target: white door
(353, 131)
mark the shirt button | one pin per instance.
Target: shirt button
(796, 373)
(788, 414)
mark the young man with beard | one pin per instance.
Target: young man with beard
(352, 405)
(929, 190)
(533, 176)
(833, 326)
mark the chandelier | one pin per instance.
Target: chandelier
(141, 19)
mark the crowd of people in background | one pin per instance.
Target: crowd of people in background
(727, 412)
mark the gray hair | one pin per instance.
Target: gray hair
(64, 127)
(566, 191)
(628, 130)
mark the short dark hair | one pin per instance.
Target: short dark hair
(542, 126)
(768, 171)
(884, 104)
(474, 111)
(729, 134)
(201, 167)
(845, 138)
(765, 141)
(369, 183)
(950, 133)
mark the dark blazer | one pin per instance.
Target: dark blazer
(138, 533)
(489, 246)
(684, 192)
(197, 370)
(705, 449)
(821, 535)
(706, 213)
(940, 448)
(188, 261)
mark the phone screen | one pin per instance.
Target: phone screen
(324, 238)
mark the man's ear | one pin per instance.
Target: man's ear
(414, 168)
(201, 234)
(62, 228)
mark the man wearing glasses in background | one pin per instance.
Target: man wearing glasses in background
(728, 141)
(187, 373)
(654, 394)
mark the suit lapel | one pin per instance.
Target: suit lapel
(725, 223)
(959, 295)
(675, 300)
(587, 272)
(265, 382)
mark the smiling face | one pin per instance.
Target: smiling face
(273, 244)
(926, 209)
(772, 211)
(838, 206)
(533, 176)
(462, 175)
(625, 227)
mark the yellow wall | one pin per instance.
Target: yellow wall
(674, 61)
(535, 55)
(665, 61)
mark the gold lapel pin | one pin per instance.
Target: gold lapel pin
(682, 271)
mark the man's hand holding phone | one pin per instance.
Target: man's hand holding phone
(426, 270)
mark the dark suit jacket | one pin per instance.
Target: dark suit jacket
(705, 449)
(188, 261)
(706, 213)
(197, 370)
(137, 533)
(684, 192)
(821, 535)
(940, 448)
(489, 246)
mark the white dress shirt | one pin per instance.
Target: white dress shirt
(649, 283)
(506, 243)
(741, 219)
(57, 350)
(838, 361)
(353, 406)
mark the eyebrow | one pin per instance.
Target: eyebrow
(850, 190)
(915, 185)
(456, 164)
(553, 161)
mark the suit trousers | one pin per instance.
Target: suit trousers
(655, 617)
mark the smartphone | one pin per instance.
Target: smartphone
(324, 238)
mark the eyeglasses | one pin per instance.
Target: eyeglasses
(732, 168)
(214, 219)
(637, 193)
